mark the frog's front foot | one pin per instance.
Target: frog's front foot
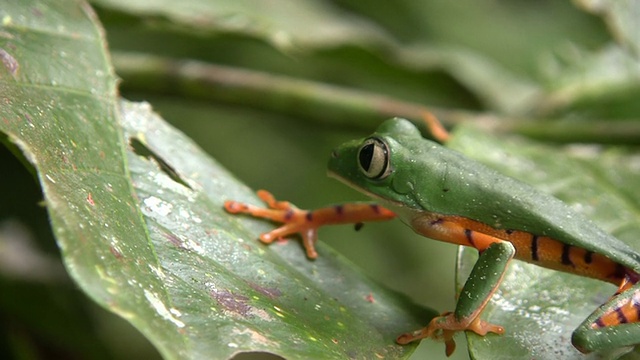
(442, 328)
(294, 220)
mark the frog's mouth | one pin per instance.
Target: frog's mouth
(351, 184)
(361, 189)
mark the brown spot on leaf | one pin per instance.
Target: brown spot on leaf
(10, 63)
(115, 252)
(173, 239)
(36, 12)
(232, 302)
(271, 293)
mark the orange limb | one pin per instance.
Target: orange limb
(626, 283)
(625, 311)
(435, 127)
(306, 222)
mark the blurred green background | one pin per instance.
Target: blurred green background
(511, 60)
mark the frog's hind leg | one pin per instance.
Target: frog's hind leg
(614, 325)
(484, 280)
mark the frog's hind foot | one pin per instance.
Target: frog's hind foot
(442, 328)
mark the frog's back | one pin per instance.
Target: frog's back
(467, 188)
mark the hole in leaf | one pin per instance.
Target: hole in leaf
(256, 355)
(142, 150)
(13, 149)
(22, 199)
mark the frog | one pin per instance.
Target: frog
(444, 195)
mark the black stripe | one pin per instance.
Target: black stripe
(289, 215)
(375, 208)
(588, 257)
(339, 209)
(566, 251)
(469, 234)
(619, 273)
(622, 318)
(309, 216)
(534, 248)
(599, 323)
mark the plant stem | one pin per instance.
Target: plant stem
(335, 105)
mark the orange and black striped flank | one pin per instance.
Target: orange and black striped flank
(540, 250)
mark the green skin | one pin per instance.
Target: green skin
(422, 176)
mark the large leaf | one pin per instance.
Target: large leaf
(540, 308)
(231, 292)
(410, 49)
(59, 108)
(279, 22)
(79, 150)
(137, 211)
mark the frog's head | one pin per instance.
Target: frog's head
(382, 165)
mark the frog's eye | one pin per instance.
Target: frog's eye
(373, 159)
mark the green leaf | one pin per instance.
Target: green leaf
(232, 292)
(59, 108)
(600, 84)
(540, 308)
(280, 23)
(621, 17)
(136, 208)
(423, 47)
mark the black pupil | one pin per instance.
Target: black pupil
(365, 156)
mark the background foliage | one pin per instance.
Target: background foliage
(268, 88)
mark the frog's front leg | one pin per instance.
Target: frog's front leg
(614, 325)
(486, 276)
(307, 222)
